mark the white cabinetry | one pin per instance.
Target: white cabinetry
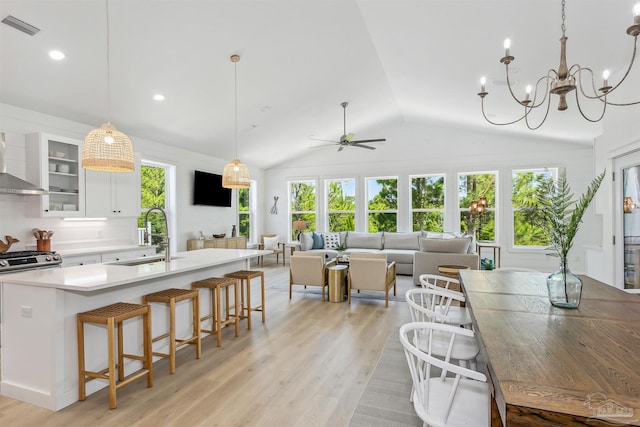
(53, 163)
(121, 256)
(70, 261)
(113, 194)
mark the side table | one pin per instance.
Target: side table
(451, 271)
(489, 245)
(337, 278)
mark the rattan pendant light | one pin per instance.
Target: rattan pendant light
(236, 173)
(106, 148)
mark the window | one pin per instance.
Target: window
(474, 187)
(341, 204)
(427, 202)
(526, 228)
(246, 211)
(382, 204)
(302, 203)
(153, 193)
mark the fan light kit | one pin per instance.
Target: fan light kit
(564, 80)
(346, 140)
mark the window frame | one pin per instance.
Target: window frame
(495, 209)
(442, 210)
(329, 212)
(368, 211)
(251, 213)
(512, 211)
(292, 213)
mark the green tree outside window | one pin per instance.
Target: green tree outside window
(341, 205)
(527, 230)
(427, 203)
(152, 193)
(382, 204)
(471, 187)
(302, 196)
(244, 213)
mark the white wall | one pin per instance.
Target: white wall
(16, 219)
(413, 149)
(621, 137)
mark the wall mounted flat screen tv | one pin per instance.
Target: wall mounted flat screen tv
(208, 190)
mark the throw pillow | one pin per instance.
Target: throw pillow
(456, 246)
(317, 241)
(331, 240)
(306, 241)
(270, 243)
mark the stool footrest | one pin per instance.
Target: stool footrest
(132, 378)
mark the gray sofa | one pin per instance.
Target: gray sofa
(414, 253)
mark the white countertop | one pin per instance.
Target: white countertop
(94, 277)
(100, 250)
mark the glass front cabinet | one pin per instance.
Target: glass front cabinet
(53, 163)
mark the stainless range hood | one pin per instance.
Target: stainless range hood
(10, 184)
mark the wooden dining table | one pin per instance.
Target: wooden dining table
(549, 366)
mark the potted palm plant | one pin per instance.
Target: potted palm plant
(561, 217)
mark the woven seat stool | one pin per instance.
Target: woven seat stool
(215, 285)
(245, 276)
(113, 315)
(171, 297)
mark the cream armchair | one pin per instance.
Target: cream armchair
(370, 272)
(269, 242)
(308, 269)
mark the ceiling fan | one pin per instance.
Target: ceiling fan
(346, 140)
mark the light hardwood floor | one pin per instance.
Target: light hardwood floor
(307, 365)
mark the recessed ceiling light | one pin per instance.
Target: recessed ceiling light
(56, 55)
(158, 97)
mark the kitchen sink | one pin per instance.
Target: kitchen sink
(146, 260)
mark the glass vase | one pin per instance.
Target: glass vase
(565, 288)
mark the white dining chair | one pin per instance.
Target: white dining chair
(444, 394)
(456, 314)
(419, 300)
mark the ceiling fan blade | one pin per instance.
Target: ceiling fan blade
(324, 140)
(341, 148)
(323, 145)
(368, 140)
(364, 146)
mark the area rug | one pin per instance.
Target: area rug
(385, 400)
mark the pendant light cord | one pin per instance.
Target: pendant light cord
(108, 68)
(235, 65)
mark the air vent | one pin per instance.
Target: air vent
(14, 22)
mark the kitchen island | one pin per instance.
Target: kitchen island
(39, 307)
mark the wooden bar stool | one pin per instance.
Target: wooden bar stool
(171, 297)
(113, 315)
(215, 285)
(245, 277)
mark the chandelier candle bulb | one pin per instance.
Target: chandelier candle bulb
(483, 81)
(636, 14)
(507, 46)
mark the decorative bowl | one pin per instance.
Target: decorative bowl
(219, 236)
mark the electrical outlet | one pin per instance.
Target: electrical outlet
(26, 311)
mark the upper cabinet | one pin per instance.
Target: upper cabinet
(53, 162)
(113, 194)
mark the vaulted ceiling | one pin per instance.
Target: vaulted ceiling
(394, 61)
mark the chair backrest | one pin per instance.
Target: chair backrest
(370, 255)
(319, 254)
(431, 304)
(434, 397)
(368, 273)
(436, 281)
(307, 269)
